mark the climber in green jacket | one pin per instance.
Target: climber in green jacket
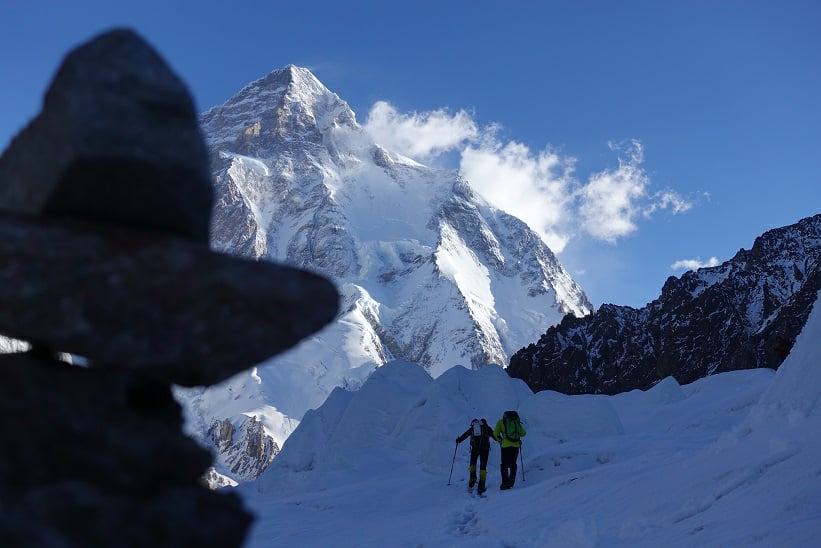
(509, 432)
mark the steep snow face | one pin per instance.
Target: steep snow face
(428, 271)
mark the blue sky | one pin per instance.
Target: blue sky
(634, 135)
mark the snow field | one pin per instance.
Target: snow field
(730, 460)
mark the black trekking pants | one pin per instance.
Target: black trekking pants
(508, 466)
(481, 455)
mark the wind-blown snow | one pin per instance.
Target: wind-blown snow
(730, 460)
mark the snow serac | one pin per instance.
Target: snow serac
(429, 271)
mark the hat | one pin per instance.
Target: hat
(105, 207)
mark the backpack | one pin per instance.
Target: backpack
(476, 429)
(477, 432)
(512, 425)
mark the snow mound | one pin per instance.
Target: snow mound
(559, 416)
(704, 464)
(797, 384)
(668, 390)
(350, 424)
(399, 412)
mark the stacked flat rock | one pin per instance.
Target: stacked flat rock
(105, 204)
(97, 457)
(109, 256)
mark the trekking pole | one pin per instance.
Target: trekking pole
(522, 460)
(452, 462)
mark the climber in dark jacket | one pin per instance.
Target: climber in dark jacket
(480, 435)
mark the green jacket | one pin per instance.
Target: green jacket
(499, 434)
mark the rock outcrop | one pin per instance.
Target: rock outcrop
(743, 314)
(104, 255)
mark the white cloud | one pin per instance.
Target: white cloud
(668, 199)
(419, 135)
(610, 201)
(539, 187)
(694, 264)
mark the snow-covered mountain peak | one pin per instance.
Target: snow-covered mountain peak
(429, 272)
(306, 89)
(288, 104)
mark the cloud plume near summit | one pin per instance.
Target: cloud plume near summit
(540, 187)
(421, 136)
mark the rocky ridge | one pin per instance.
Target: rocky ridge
(743, 314)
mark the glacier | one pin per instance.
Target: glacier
(728, 460)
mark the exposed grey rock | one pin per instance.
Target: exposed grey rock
(214, 480)
(245, 450)
(743, 314)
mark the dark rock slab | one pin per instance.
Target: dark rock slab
(142, 301)
(98, 458)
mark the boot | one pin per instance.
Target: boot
(503, 470)
(472, 481)
(512, 477)
(482, 477)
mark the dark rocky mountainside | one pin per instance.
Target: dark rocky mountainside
(743, 314)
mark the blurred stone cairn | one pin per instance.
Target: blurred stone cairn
(105, 204)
